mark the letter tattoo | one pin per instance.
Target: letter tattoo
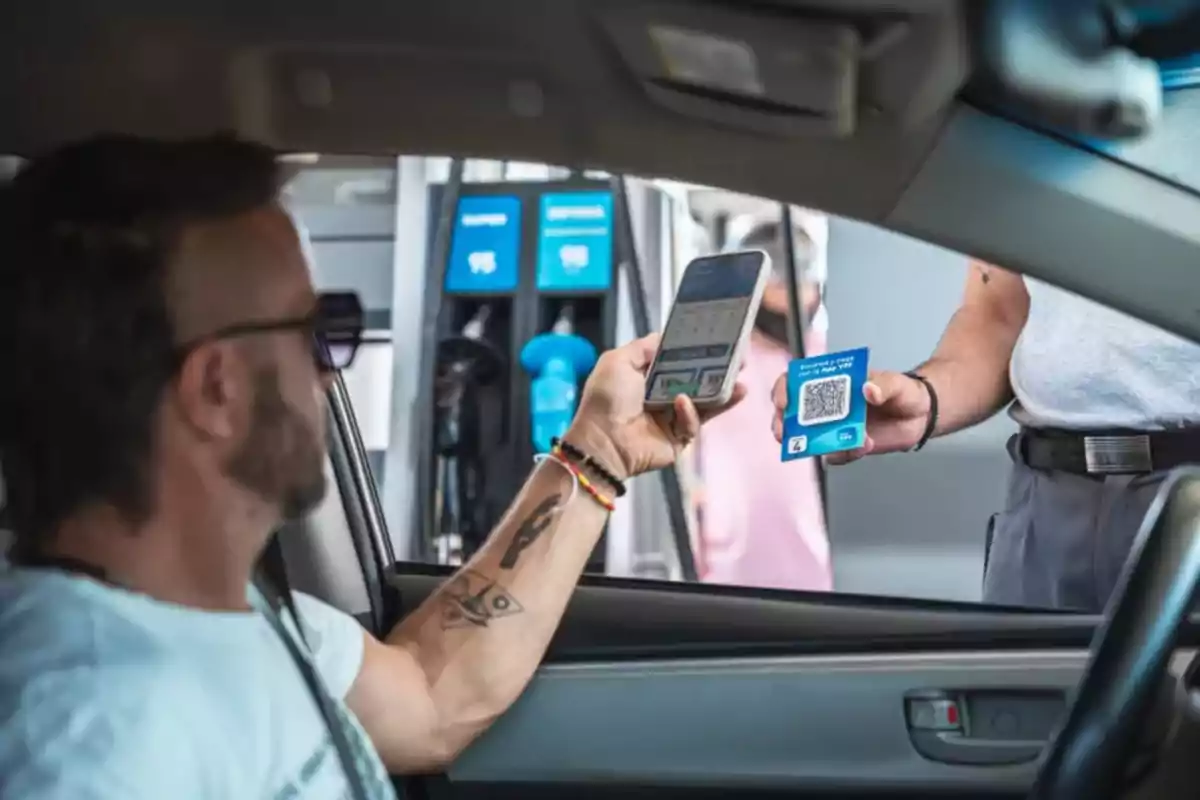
(529, 531)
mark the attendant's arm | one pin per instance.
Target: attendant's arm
(969, 367)
(968, 371)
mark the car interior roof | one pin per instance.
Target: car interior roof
(553, 81)
(430, 78)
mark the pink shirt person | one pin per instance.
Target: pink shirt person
(761, 520)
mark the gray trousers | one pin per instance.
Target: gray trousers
(1062, 539)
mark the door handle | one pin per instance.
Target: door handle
(986, 727)
(955, 748)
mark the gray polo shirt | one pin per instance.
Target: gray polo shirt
(1081, 365)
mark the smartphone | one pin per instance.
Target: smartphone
(708, 328)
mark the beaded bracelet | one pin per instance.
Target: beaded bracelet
(582, 480)
(574, 452)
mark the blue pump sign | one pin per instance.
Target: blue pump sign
(575, 236)
(485, 249)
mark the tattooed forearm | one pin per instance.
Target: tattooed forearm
(474, 600)
(534, 525)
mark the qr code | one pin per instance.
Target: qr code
(825, 400)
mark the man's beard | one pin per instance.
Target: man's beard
(282, 459)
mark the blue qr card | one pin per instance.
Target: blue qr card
(826, 410)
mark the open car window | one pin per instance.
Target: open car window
(906, 527)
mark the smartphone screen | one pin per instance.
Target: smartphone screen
(705, 326)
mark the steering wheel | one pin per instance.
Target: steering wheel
(1131, 651)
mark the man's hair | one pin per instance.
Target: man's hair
(86, 237)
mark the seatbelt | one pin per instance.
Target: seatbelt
(274, 569)
(279, 592)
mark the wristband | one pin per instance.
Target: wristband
(581, 480)
(588, 462)
(931, 423)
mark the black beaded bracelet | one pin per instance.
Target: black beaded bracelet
(587, 461)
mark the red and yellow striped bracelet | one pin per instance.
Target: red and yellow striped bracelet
(582, 479)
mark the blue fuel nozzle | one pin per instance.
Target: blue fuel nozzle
(557, 361)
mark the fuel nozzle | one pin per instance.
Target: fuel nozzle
(477, 325)
(467, 363)
(565, 324)
(557, 361)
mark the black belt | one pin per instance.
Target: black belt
(1102, 453)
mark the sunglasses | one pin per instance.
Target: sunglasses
(335, 327)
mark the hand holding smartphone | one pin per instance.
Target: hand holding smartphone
(708, 329)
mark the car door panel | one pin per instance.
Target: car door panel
(806, 723)
(674, 688)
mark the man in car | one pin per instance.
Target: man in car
(162, 413)
(1107, 404)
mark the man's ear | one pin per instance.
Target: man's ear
(210, 388)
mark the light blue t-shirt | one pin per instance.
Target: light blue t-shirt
(107, 694)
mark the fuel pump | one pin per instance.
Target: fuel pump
(544, 257)
(466, 364)
(557, 360)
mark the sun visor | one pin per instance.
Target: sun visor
(777, 74)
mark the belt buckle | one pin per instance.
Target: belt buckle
(1117, 455)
